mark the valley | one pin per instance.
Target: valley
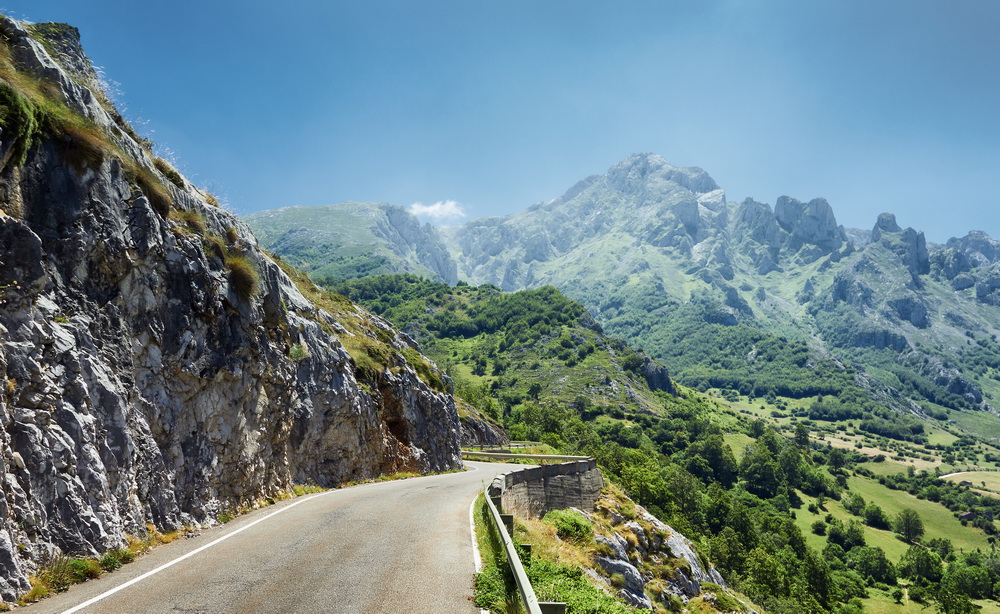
(540, 366)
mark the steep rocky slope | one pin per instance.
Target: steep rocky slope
(156, 366)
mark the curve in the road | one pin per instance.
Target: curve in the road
(401, 546)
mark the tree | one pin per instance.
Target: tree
(718, 458)
(534, 390)
(836, 459)
(854, 504)
(801, 435)
(951, 600)
(854, 535)
(871, 561)
(760, 471)
(875, 517)
(920, 562)
(790, 463)
(909, 525)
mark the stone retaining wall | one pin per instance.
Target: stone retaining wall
(533, 492)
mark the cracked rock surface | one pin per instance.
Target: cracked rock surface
(138, 383)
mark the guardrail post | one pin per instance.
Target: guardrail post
(552, 608)
(527, 551)
(497, 502)
(508, 522)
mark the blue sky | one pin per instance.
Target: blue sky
(877, 106)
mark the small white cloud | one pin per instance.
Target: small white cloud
(440, 212)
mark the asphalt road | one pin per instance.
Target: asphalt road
(392, 547)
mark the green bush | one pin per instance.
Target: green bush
(114, 559)
(298, 352)
(20, 118)
(724, 602)
(63, 572)
(570, 526)
(84, 569)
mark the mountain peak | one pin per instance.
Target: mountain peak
(886, 223)
(649, 168)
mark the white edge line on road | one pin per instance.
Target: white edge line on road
(188, 555)
(475, 544)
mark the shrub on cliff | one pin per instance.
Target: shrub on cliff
(242, 275)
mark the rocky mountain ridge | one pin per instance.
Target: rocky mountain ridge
(157, 366)
(636, 244)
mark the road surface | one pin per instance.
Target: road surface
(392, 547)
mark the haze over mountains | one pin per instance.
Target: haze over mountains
(651, 249)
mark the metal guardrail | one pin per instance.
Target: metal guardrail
(505, 446)
(509, 456)
(528, 597)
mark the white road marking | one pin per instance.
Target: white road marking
(475, 546)
(188, 555)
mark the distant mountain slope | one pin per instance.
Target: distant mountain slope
(353, 240)
(660, 257)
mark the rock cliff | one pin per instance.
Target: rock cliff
(156, 367)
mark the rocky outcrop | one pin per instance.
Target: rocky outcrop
(980, 248)
(811, 223)
(156, 366)
(645, 551)
(477, 431)
(907, 243)
(948, 378)
(657, 376)
(404, 232)
(646, 172)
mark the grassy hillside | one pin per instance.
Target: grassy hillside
(503, 349)
(746, 478)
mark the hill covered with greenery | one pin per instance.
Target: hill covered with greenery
(792, 512)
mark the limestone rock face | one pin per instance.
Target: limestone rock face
(908, 243)
(479, 432)
(811, 223)
(657, 376)
(757, 222)
(886, 222)
(634, 548)
(979, 247)
(141, 383)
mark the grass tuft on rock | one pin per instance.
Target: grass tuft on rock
(243, 276)
(215, 246)
(169, 172)
(158, 195)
